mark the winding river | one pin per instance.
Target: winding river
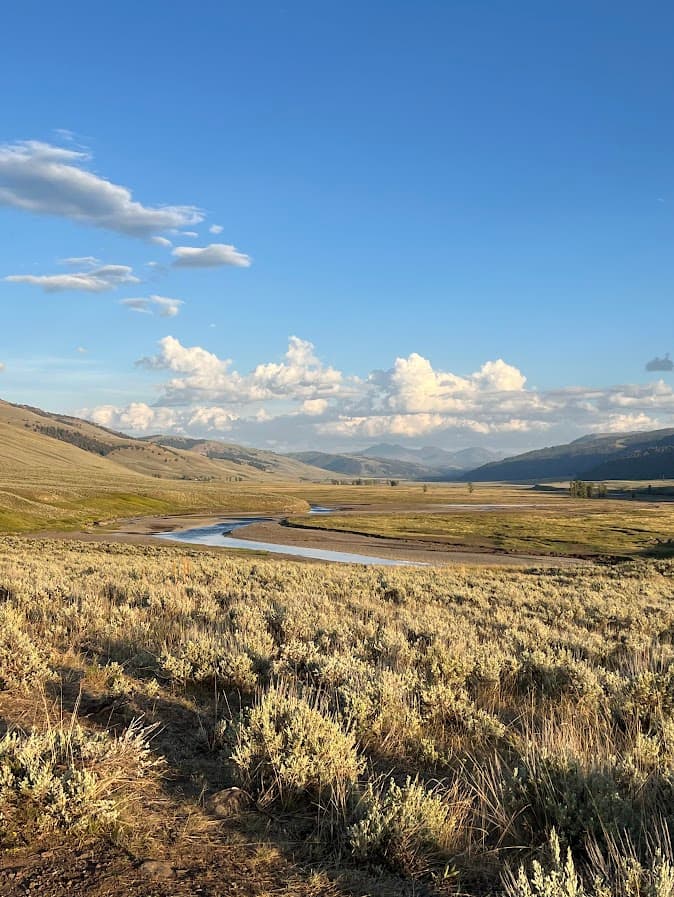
(219, 535)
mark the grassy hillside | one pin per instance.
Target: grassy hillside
(136, 455)
(641, 456)
(254, 460)
(62, 473)
(417, 733)
(364, 467)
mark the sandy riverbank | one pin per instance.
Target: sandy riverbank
(140, 530)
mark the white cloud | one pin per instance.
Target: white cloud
(96, 280)
(81, 260)
(205, 376)
(215, 229)
(138, 417)
(161, 241)
(52, 180)
(500, 376)
(81, 350)
(164, 307)
(314, 407)
(414, 386)
(211, 256)
(301, 399)
(189, 233)
(3, 366)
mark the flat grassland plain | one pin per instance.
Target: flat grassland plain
(184, 721)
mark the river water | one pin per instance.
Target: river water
(219, 536)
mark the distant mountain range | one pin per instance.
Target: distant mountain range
(32, 438)
(616, 456)
(433, 457)
(385, 461)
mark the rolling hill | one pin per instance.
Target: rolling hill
(362, 466)
(251, 459)
(93, 441)
(628, 456)
(60, 472)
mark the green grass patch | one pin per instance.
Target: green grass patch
(621, 530)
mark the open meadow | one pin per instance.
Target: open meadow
(400, 731)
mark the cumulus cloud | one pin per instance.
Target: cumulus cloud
(300, 399)
(314, 407)
(95, 280)
(215, 229)
(162, 305)
(414, 386)
(139, 417)
(211, 256)
(52, 180)
(205, 376)
(660, 364)
(161, 241)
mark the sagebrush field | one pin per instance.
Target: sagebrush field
(406, 731)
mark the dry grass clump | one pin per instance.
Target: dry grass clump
(435, 722)
(289, 750)
(69, 779)
(617, 873)
(23, 663)
(413, 829)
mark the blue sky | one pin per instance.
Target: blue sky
(465, 207)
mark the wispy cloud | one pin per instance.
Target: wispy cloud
(211, 256)
(215, 229)
(52, 180)
(161, 305)
(96, 280)
(80, 261)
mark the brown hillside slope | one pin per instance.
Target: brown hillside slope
(60, 472)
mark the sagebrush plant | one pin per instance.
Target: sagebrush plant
(515, 700)
(413, 828)
(69, 779)
(23, 662)
(616, 873)
(291, 751)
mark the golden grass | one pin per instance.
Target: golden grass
(557, 526)
(434, 723)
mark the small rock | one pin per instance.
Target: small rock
(228, 802)
(156, 869)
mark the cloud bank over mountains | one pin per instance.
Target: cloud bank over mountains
(301, 399)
